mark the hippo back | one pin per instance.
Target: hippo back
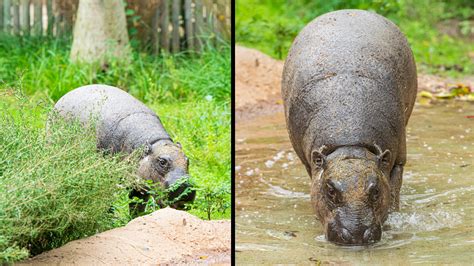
(349, 79)
(123, 122)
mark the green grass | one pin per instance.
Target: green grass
(42, 65)
(271, 26)
(203, 128)
(191, 94)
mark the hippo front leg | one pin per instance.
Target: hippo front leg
(396, 176)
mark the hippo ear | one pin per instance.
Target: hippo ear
(384, 158)
(318, 159)
(179, 144)
(148, 149)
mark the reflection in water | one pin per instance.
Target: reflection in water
(275, 221)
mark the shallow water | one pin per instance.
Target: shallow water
(276, 224)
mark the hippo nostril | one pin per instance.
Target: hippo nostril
(372, 234)
(368, 235)
(345, 235)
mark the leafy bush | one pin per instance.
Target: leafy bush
(54, 187)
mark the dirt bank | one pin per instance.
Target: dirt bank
(257, 83)
(258, 77)
(165, 236)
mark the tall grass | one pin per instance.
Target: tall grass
(54, 187)
(42, 65)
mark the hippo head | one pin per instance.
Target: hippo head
(165, 163)
(350, 194)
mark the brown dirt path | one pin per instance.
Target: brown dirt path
(258, 77)
(166, 236)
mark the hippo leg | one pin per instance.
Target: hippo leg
(395, 184)
(396, 175)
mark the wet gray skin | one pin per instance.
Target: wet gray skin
(348, 87)
(124, 124)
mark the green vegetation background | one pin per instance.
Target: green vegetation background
(271, 25)
(60, 189)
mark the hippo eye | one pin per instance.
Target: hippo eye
(332, 193)
(374, 193)
(163, 162)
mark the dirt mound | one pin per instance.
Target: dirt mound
(258, 78)
(257, 81)
(165, 236)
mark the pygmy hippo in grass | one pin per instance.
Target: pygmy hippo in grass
(124, 124)
(349, 85)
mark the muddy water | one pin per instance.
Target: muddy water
(275, 222)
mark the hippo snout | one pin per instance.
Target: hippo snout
(360, 236)
(185, 193)
(180, 190)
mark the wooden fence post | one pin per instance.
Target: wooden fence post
(1, 15)
(189, 24)
(7, 15)
(210, 15)
(58, 18)
(165, 43)
(175, 20)
(16, 17)
(221, 19)
(155, 42)
(49, 9)
(25, 17)
(38, 18)
(198, 25)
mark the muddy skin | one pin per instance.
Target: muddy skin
(124, 124)
(349, 86)
(350, 193)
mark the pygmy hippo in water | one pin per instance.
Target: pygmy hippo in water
(349, 86)
(124, 124)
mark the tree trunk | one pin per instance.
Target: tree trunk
(100, 32)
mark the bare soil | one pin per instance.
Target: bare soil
(258, 89)
(167, 236)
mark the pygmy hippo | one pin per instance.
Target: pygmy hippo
(124, 124)
(349, 86)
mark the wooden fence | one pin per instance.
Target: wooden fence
(176, 25)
